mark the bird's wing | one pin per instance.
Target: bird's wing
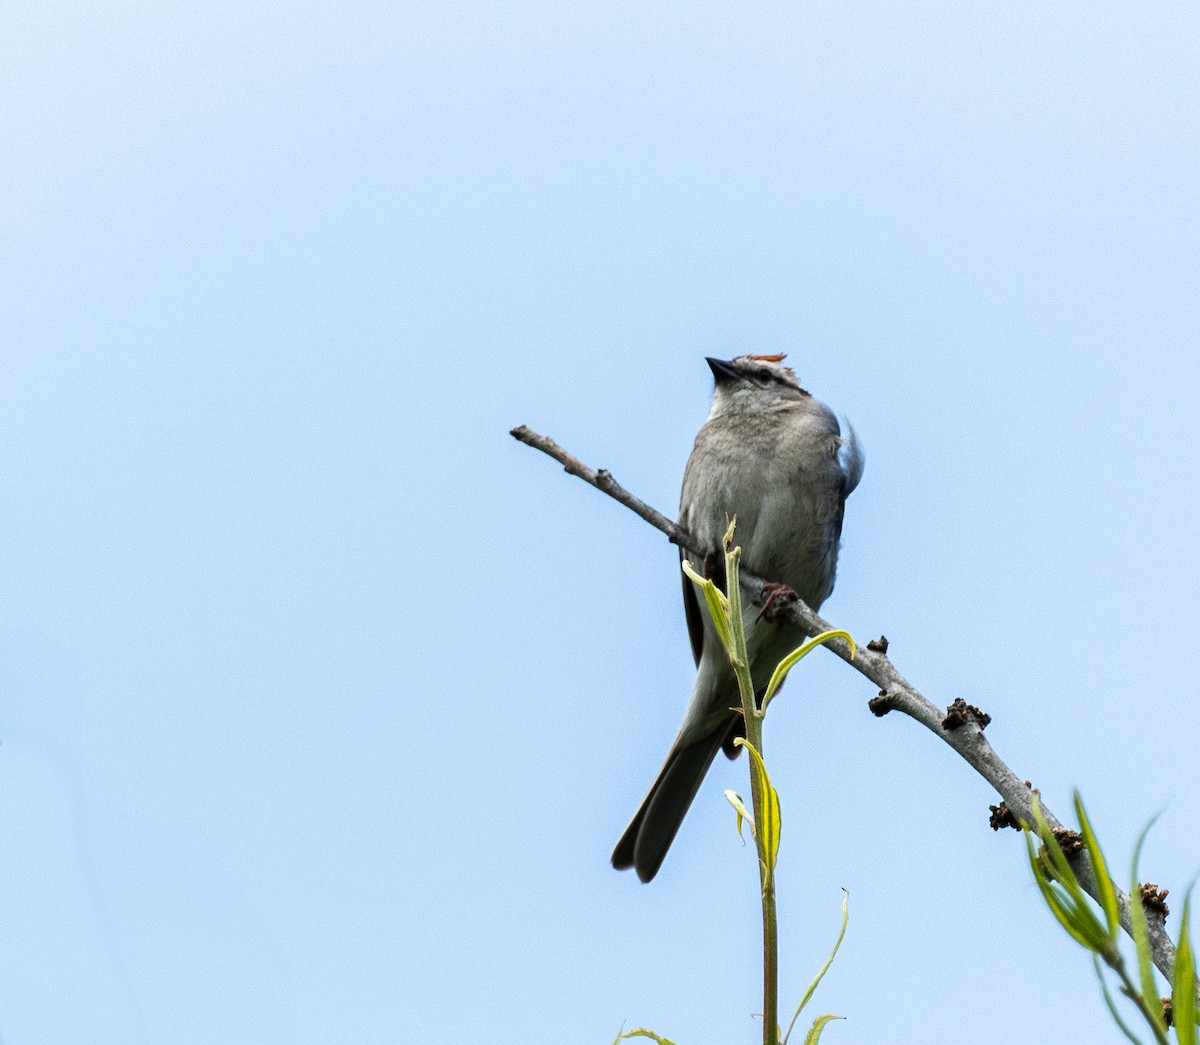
(850, 457)
(691, 610)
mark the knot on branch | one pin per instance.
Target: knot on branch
(881, 704)
(1068, 841)
(1154, 899)
(879, 645)
(960, 713)
(1002, 817)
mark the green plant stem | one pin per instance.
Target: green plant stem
(1143, 1003)
(754, 736)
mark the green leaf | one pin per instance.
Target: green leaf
(738, 655)
(1112, 1005)
(1045, 884)
(1183, 983)
(1078, 903)
(1141, 936)
(1059, 867)
(641, 1032)
(790, 661)
(771, 821)
(743, 813)
(718, 605)
(814, 1035)
(824, 968)
(1061, 889)
(1104, 884)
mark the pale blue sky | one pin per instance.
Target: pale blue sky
(322, 702)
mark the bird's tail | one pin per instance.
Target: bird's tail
(652, 829)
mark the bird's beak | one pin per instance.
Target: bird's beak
(722, 371)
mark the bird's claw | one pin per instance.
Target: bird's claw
(779, 598)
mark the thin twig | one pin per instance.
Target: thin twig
(603, 481)
(896, 693)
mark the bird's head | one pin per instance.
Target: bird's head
(748, 384)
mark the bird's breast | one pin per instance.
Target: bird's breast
(783, 483)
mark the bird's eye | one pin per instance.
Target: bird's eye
(766, 376)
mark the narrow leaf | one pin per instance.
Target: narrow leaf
(641, 1032)
(1141, 936)
(790, 661)
(1183, 983)
(769, 818)
(1104, 883)
(1112, 1005)
(1057, 863)
(814, 1035)
(1081, 920)
(1080, 924)
(718, 605)
(743, 813)
(737, 631)
(824, 968)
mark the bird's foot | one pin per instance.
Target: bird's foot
(778, 598)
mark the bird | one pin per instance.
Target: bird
(774, 458)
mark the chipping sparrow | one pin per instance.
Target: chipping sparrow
(774, 457)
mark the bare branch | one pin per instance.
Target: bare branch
(603, 481)
(895, 691)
